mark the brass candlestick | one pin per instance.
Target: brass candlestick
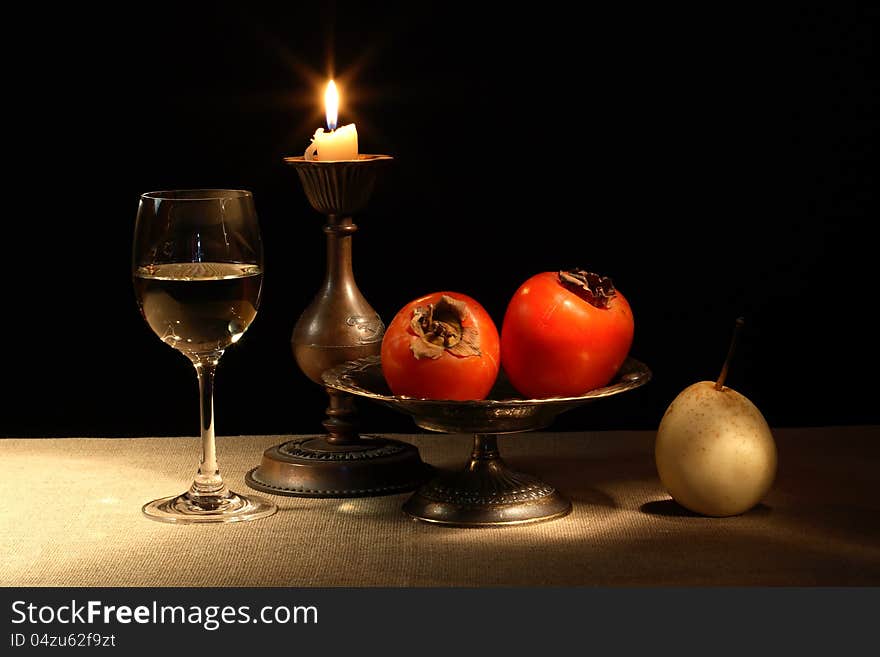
(338, 326)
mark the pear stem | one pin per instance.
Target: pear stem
(740, 322)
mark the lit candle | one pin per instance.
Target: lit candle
(339, 144)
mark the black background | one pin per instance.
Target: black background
(714, 162)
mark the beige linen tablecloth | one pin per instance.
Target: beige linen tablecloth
(70, 516)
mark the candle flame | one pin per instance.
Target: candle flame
(331, 104)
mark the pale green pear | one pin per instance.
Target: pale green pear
(715, 453)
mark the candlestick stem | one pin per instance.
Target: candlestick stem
(339, 232)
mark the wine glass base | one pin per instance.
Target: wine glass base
(183, 509)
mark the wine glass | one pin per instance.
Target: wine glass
(198, 272)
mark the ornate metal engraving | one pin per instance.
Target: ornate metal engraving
(371, 328)
(512, 487)
(296, 449)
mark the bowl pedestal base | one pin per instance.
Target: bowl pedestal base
(486, 493)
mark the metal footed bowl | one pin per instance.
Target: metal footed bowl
(485, 493)
(503, 412)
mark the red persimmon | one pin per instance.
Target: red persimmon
(441, 346)
(565, 333)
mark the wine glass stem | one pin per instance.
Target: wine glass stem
(208, 482)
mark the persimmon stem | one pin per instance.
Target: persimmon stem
(740, 322)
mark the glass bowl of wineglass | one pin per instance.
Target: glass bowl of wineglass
(197, 265)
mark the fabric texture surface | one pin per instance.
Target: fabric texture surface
(71, 517)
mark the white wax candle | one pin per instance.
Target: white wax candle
(341, 144)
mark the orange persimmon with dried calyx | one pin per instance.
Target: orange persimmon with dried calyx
(443, 345)
(565, 333)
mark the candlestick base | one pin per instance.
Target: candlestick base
(317, 467)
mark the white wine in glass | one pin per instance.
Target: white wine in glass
(198, 272)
